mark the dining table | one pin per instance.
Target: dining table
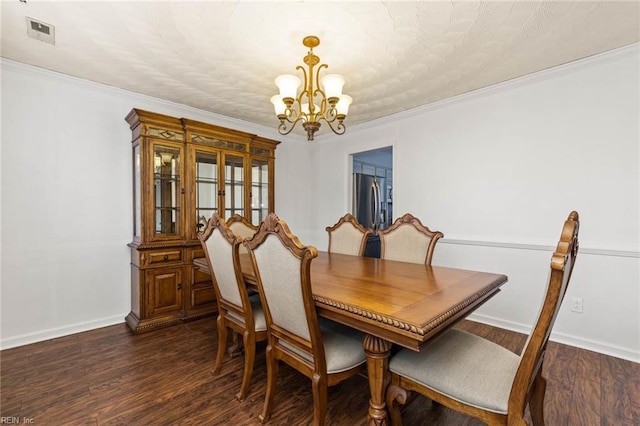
(391, 302)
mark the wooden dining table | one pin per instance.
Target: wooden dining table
(391, 302)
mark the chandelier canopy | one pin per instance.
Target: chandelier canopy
(312, 104)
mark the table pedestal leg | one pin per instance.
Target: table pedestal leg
(377, 351)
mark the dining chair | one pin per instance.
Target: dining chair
(237, 311)
(241, 227)
(324, 351)
(201, 225)
(479, 378)
(408, 240)
(348, 236)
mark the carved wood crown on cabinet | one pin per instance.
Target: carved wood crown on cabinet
(184, 171)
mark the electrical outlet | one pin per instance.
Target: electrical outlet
(576, 305)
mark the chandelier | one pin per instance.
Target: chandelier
(312, 104)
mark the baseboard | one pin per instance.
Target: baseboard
(53, 333)
(566, 339)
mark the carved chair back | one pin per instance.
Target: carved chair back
(532, 357)
(348, 236)
(282, 266)
(408, 240)
(220, 246)
(242, 228)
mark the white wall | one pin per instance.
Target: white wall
(66, 200)
(499, 170)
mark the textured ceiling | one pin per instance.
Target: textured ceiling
(223, 56)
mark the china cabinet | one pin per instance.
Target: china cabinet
(183, 172)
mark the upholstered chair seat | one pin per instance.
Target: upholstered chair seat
(342, 347)
(464, 367)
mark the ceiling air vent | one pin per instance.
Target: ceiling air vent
(41, 31)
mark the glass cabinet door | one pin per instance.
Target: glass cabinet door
(207, 188)
(233, 185)
(259, 190)
(167, 186)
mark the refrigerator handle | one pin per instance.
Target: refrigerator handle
(354, 202)
(376, 207)
(372, 188)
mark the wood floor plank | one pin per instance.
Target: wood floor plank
(633, 388)
(560, 371)
(509, 339)
(476, 328)
(616, 391)
(560, 364)
(585, 408)
(110, 377)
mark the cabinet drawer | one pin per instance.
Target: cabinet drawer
(202, 294)
(200, 277)
(164, 257)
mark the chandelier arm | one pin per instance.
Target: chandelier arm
(330, 115)
(290, 112)
(304, 92)
(339, 129)
(318, 78)
(282, 128)
(306, 79)
(323, 103)
(318, 90)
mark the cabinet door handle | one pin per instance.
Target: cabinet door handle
(179, 286)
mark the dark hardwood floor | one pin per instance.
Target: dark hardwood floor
(110, 377)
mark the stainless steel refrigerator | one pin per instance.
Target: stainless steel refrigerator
(369, 201)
